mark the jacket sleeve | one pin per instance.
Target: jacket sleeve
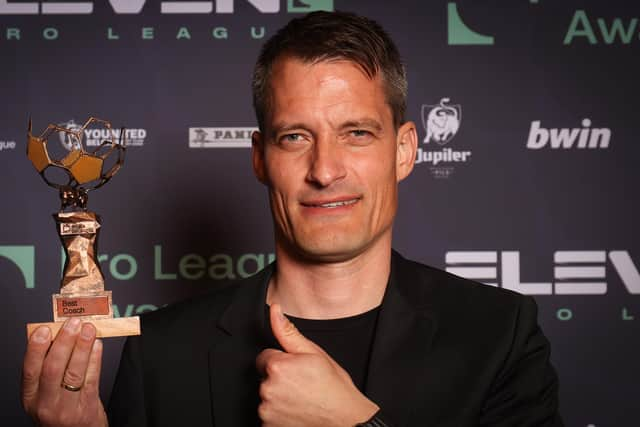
(126, 405)
(525, 391)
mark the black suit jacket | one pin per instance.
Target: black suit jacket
(447, 352)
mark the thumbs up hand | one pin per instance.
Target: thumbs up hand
(303, 385)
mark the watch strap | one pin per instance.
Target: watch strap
(375, 421)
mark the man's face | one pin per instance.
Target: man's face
(331, 158)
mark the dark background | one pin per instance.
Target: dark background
(205, 201)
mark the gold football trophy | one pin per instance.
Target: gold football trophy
(79, 171)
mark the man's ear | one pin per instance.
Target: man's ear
(257, 156)
(406, 147)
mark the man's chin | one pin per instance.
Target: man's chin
(330, 252)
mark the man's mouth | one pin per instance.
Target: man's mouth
(331, 204)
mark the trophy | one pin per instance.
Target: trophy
(74, 174)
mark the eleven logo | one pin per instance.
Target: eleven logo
(94, 137)
(441, 124)
(221, 137)
(574, 272)
(166, 7)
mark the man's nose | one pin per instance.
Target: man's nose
(326, 163)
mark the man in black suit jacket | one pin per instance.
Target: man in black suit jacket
(446, 352)
(368, 338)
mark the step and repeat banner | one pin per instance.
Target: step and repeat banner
(526, 176)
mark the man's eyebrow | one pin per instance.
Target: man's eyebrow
(362, 123)
(351, 124)
(286, 127)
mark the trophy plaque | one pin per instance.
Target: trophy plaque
(74, 174)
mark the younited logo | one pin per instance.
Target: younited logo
(93, 137)
(441, 124)
(67, 140)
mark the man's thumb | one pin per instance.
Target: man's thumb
(289, 337)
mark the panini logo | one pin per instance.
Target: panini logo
(221, 137)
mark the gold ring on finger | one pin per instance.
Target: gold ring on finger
(69, 387)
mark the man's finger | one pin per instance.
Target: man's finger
(76, 370)
(289, 337)
(92, 381)
(37, 347)
(58, 357)
(263, 359)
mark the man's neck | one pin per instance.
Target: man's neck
(330, 290)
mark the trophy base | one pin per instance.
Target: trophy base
(105, 328)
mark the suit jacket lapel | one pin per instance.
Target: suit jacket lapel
(403, 337)
(240, 335)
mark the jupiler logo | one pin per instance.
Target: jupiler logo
(441, 124)
(94, 137)
(220, 137)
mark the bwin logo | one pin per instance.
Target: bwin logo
(24, 258)
(565, 138)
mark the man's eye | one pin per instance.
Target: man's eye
(292, 137)
(359, 133)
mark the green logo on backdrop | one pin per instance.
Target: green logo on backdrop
(304, 6)
(24, 258)
(459, 33)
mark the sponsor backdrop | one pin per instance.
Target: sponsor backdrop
(524, 177)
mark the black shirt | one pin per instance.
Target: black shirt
(347, 340)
